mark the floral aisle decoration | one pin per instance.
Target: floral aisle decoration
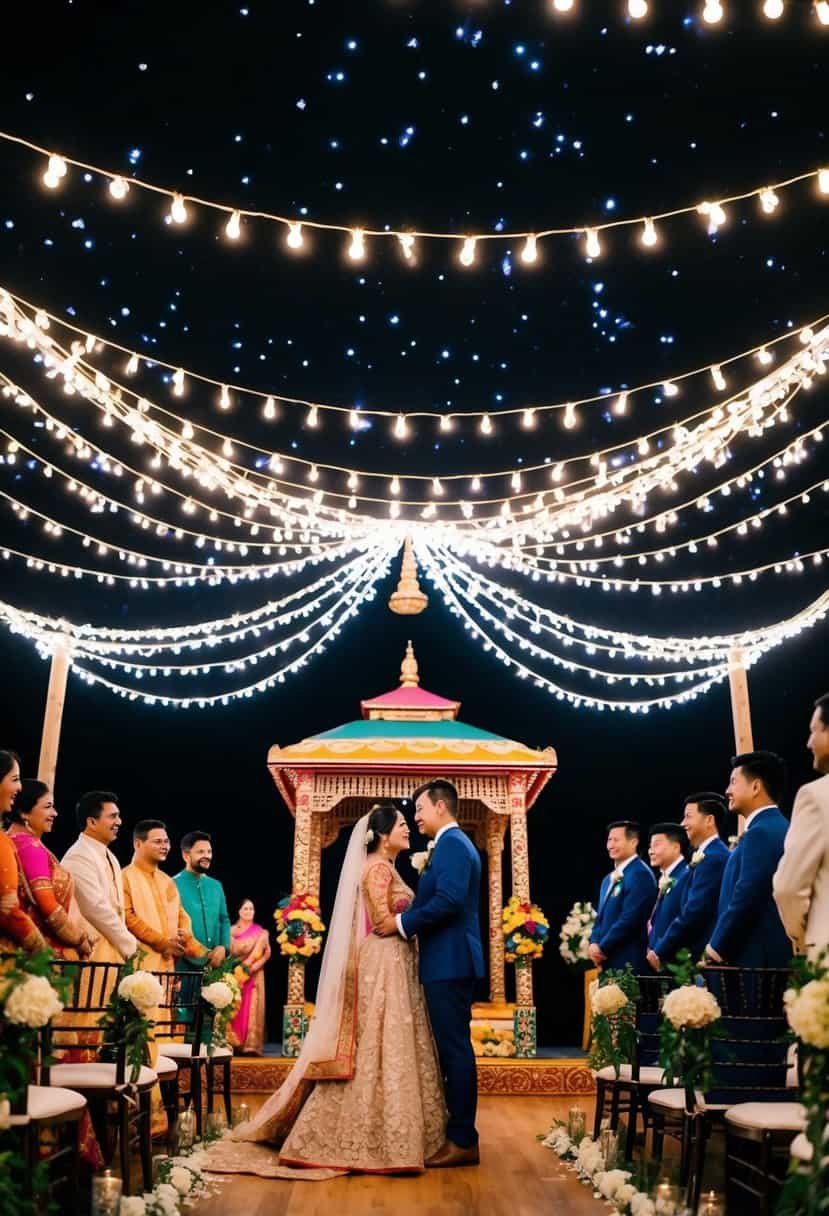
(525, 929)
(31, 995)
(688, 1027)
(621, 1188)
(575, 934)
(298, 926)
(180, 1182)
(126, 1020)
(222, 989)
(489, 1042)
(613, 1019)
(807, 1012)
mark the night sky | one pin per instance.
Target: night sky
(450, 117)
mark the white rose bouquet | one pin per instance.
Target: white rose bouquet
(613, 1023)
(218, 994)
(143, 989)
(807, 1011)
(32, 1003)
(688, 1026)
(607, 999)
(574, 935)
(125, 1024)
(691, 1006)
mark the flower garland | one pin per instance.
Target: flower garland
(222, 989)
(126, 1019)
(298, 925)
(807, 1012)
(181, 1180)
(688, 1027)
(613, 1021)
(525, 929)
(586, 1159)
(575, 935)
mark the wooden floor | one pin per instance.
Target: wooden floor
(516, 1177)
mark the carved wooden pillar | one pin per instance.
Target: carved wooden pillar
(496, 826)
(520, 872)
(305, 878)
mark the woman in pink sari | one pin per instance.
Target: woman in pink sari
(249, 944)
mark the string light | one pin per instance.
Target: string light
(769, 201)
(294, 239)
(401, 430)
(715, 213)
(773, 9)
(407, 244)
(178, 382)
(446, 424)
(529, 253)
(712, 12)
(225, 402)
(570, 418)
(357, 248)
(592, 244)
(822, 11)
(637, 9)
(649, 235)
(178, 211)
(718, 378)
(467, 254)
(233, 228)
(620, 405)
(55, 172)
(119, 188)
(269, 409)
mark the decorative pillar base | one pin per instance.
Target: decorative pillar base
(525, 1032)
(294, 1028)
(589, 977)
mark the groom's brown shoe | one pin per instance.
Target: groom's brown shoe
(450, 1154)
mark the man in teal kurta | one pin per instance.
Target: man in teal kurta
(203, 899)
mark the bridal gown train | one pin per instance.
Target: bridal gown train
(391, 1115)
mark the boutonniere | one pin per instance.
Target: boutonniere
(420, 862)
(696, 857)
(617, 885)
(666, 884)
(733, 841)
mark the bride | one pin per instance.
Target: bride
(365, 1093)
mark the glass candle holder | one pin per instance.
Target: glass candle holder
(576, 1123)
(609, 1145)
(241, 1114)
(666, 1198)
(711, 1203)
(186, 1129)
(215, 1124)
(106, 1194)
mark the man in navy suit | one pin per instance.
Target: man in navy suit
(748, 931)
(667, 851)
(444, 918)
(626, 900)
(703, 820)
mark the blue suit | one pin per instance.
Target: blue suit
(748, 931)
(444, 918)
(621, 928)
(691, 929)
(668, 907)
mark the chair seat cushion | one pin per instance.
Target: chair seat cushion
(51, 1101)
(649, 1074)
(94, 1076)
(183, 1051)
(165, 1067)
(801, 1148)
(773, 1116)
(668, 1099)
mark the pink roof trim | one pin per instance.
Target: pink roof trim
(409, 698)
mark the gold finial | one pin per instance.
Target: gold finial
(409, 675)
(408, 599)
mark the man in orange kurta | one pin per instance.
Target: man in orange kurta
(152, 905)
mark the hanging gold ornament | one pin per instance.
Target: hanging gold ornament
(408, 599)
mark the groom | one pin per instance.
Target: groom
(444, 916)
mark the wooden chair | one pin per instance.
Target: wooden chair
(629, 1091)
(749, 1065)
(58, 1112)
(119, 1109)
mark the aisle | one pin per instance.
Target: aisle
(516, 1177)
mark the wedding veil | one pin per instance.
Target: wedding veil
(344, 932)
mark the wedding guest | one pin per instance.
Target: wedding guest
(203, 899)
(250, 945)
(748, 931)
(152, 903)
(626, 899)
(99, 887)
(17, 929)
(703, 820)
(47, 890)
(801, 884)
(667, 852)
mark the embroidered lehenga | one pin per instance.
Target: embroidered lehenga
(375, 1103)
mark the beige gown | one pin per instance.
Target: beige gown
(391, 1115)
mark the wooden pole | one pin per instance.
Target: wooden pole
(53, 716)
(740, 708)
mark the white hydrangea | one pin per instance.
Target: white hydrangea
(808, 1012)
(167, 1200)
(575, 933)
(142, 989)
(33, 1003)
(642, 1205)
(219, 994)
(624, 1196)
(607, 999)
(609, 1181)
(132, 1205)
(690, 1006)
(182, 1179)
(589, 1158)
(558, 1140)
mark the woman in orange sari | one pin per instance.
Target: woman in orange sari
(249, 944)
(46, 890)
(17, 930)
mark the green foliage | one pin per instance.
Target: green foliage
(613, 1036)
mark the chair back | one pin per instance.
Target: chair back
(182, 1015)
(750, 1059)
(76, 1032)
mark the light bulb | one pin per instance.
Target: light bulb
(446, 423)
(528, 419)
(669, 389)
(437, 488)
(357, 248)
(118, 188)
(806, 335)
(712, 13)
(467, 254)
(823, 181)
(637, 9)
(354, 419)
(55, 171)
(178, 382)
(475, 485)
(187, 431)
(394, 509)
(570, 418)
(224, 398)
(313, 473)
(312, 418)
(718, 378)
(822, 11)
(592, 245)
(294, 239)
(227, 448)
(620, 405)
(395, 485)
(764, 356)
(515, 481)
(486, 425)
(353, 481)
(563, 6)
(769, 200)
(269, 409)
(649, 235)
(178, 211)
(233, 228)
(529, 253)
(773, 9)
(275, 464)
(401, 429)
(132, 365)
(407, 242)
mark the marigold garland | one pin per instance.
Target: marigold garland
(525, 929)
(298, 925)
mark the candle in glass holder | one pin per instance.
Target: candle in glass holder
(609, 1145)
(106, 1194)
(215, 1125)
(241, 1114)
(576, 1123)
(711, 1203)
(666, 1198)
(186, 1130)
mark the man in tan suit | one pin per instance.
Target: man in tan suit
(801, 884)
(98, 885)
